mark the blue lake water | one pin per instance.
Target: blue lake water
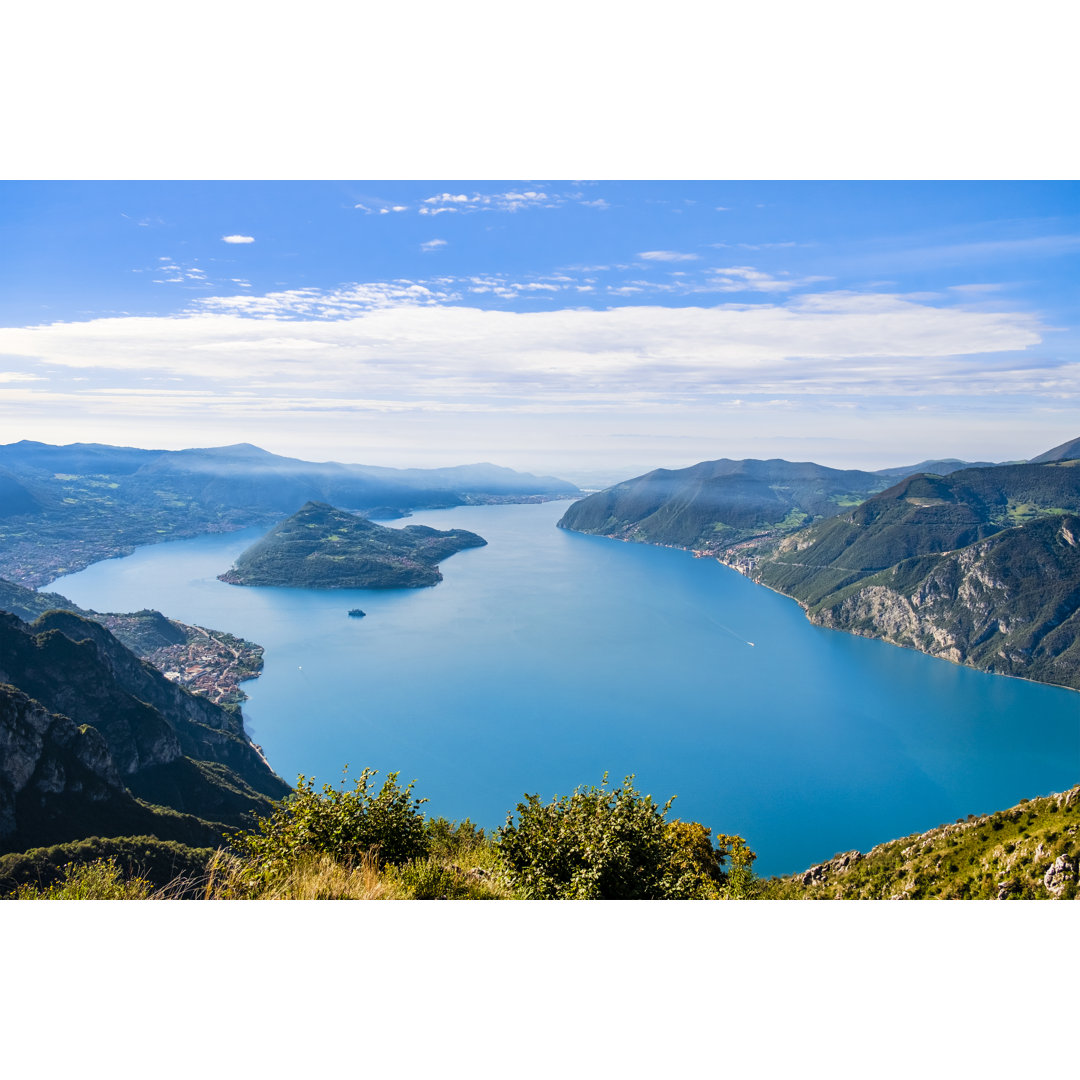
(547, 658)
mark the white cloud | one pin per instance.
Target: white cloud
(505, 201)
(432, 245)
(397, 368)
(749, 279)
(236, 238)
(409, 346)
(667, 256)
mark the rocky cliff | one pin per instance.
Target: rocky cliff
(87, 730)
(981, 567)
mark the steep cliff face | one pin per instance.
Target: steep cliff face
(1010, 604)
(88, 729)
(43, 755)
(981, 567)
(73, 677)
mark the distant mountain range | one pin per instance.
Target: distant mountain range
(64, 507)
(977, 563)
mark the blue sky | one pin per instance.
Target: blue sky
(591, 329)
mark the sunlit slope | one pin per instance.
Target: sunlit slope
(715, 504)
(980, 567)
(1028, 852)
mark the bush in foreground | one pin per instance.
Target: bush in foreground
(614, 844)
(347, 826)
(341, 843)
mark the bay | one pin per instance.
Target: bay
(547, 658)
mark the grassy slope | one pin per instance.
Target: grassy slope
(1005, 855)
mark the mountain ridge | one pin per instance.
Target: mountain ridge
(979, 566)
(65, 507)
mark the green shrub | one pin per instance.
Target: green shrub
(345, 825)
(450, 839)
(101, 879)
(605, 844)
(161, 862)
(428, 879)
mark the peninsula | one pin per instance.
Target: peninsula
(321, 547)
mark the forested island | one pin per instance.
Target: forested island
(320, 547)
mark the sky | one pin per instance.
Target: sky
(592, 330)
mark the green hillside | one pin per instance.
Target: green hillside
(320, 547)
(980, 567)
(1028, 852)
(715, 504)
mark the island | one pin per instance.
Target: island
(356, 613)
(322, 547)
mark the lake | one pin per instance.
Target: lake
(547, 658)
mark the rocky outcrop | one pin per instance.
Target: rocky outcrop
(44, 755)
(86, 726)
(1009, 604)
(1060, 874)
(820, 874)
(1030, 851)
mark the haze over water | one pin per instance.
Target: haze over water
(548, 657)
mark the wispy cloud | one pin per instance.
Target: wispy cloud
(432, 245)
(667, 256)
(507, 202)
(173, 272)
(331, 304)
(749, 279)
(237, 238)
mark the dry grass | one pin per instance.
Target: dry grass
(317, 877)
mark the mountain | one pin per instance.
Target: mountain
(974, 562)
(715, 504)
(209, 662)
(940, 466)
(15, 499)
(1069, 451)
(320, 547)
(981, 567)
(94, 740)
(64, 507)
